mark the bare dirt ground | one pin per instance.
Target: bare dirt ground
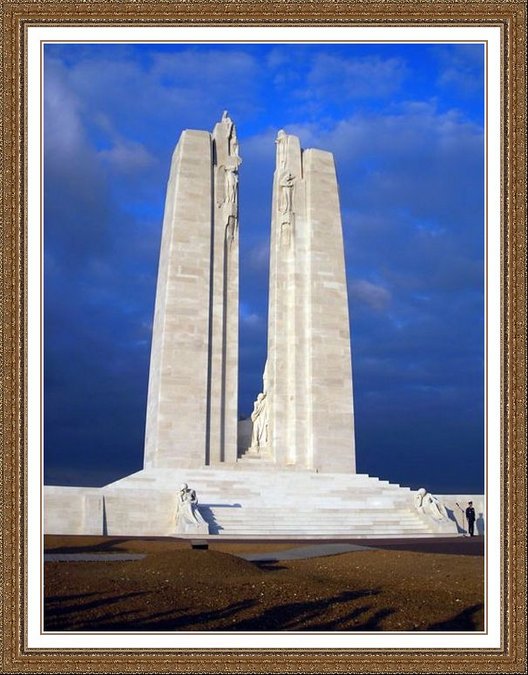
(420, 586)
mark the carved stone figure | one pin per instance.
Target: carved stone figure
(286, 184)
(231, 182)
(228, 122)
(428, 504)
(281, 142)
(187, 513)
(259, 417)
(233, 146)
(231, 135)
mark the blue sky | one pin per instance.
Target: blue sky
(405, 123)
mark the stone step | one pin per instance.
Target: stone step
(316, 532)
(298, 523)
(262, 521)
(374, 509)
(323, 536)
(305, 530)
(289, 504)
(259, 489)
(367, 515)
(212, 474)
(302, 527)
(255, 527)
(232, 488)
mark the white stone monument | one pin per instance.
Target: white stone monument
(193, 381)
(308, 379)
(304, 417)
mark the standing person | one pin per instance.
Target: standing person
(470, 515)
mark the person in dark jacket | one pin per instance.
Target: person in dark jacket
(470, 515)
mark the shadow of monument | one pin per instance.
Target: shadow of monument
(349, 623)
(453, 516)
(167, 621)
(457, 546)
(206, 511)
(116, 544)
(302, 615)
(270, 565)
(464, 620)
(292, 616)
(58, 615)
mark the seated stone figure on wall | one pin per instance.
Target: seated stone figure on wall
(428, 504)
(188, 517)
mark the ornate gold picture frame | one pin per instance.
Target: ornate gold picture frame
(510, 17)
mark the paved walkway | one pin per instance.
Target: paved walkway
(92, 557)
(302, 552)
(449, 545)
(299, 553)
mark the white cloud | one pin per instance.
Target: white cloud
(250, 318)
(63, 126)
(375, 296)
(127, 156)
(259, 257)
(368, 77)
(461, 67)
(215, 66)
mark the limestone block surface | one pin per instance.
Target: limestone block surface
(73, 510)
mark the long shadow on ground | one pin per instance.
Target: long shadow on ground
(463, 621)
(305, 615)
(288, 616)
(61, 616)
(116, 544)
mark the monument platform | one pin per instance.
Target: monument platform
(245, 503)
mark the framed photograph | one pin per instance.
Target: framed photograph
(83, 86)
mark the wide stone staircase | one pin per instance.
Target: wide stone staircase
(291, 504)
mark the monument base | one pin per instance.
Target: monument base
(278, 504)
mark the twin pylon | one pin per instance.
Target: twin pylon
(304, 416)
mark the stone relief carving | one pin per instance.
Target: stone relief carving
(188, 517)
(232, 139)
(259, 417)
(286, 184)
(286, 190)
(227, 122)
(226, 172)
(281, 141)
(233, 146)
(428, 504)
(231, 182)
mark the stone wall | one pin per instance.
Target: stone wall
(73, 510)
